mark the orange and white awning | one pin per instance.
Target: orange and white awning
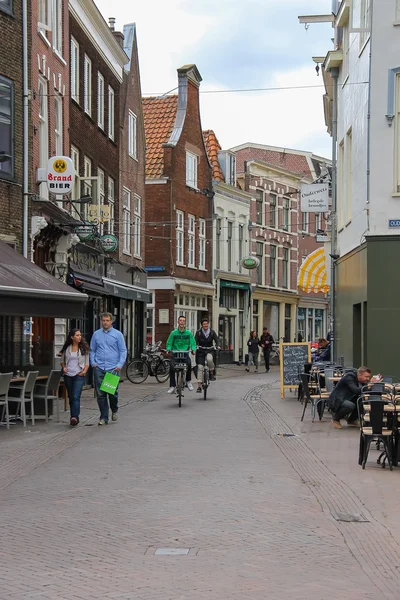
(313, 275)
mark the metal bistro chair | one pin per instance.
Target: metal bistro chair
(23, 395)
(317, 401)
(5, 379)
(376, 423)
(49, 391)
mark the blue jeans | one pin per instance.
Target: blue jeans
(74, 387)
(102, 399)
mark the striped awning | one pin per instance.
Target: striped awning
(312, 273)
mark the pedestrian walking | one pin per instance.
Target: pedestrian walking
(74, 363)
(107, 355)
(266, 342)
(253, 345)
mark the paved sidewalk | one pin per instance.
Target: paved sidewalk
(212, 478)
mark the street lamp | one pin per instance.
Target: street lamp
(59, 268)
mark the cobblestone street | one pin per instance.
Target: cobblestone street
(90, 513)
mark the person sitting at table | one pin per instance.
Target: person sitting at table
(324, 350)
(343, 399)
(75, 363)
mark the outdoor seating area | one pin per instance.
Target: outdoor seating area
(378, 408)
(29, 397)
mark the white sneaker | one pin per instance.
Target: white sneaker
(189, 386)
(171, 390)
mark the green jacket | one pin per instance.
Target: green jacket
(181, 341)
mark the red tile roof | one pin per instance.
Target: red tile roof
(296, 163)
(159, 119)
(212, 147)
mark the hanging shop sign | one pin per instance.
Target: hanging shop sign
(109, 242)
(314, 197)
(98, 213)
(85, 232)
(250, 262)
(60, 175)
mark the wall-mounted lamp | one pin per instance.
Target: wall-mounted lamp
(53, 268)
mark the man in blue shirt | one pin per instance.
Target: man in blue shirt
(107, 355)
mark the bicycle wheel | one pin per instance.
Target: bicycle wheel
(162, 370)
(179, 385)
(137, 371)
(205, 383)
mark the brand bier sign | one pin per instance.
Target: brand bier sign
(60, 175)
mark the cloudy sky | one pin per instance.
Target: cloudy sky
(237, 44)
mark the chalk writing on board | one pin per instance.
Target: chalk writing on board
(294, 356)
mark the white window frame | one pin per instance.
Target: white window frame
(74, 70)
(365, 22)
(87, 87)
(132, 135)
(202, 244)
(273, 210)
(180, 235)
(260, 199)
(101, 196)
(76, 192)
(304, 222)
(57, 26)
(100, 100)
(137, 225)
(87, 185)
(126, 220)
(341, 188)
(286, 211)
(44, 16)
(191, 241)
(285, 252)
(111, 203)
(58, 124)
(191, 169)
(111, 113)
(7, 107)
(349, 175)
(275, 258)
(240, 245)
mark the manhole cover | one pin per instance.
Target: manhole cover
(172, 551)
(350, 518)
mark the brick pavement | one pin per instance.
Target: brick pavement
(209, 477)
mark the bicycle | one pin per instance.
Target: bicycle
(151, 362)
(274, 356)
(206, 372)
(180, 369)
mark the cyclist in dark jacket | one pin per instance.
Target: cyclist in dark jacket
(207, 338)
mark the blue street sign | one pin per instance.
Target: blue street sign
(156, 269)
(393, 223)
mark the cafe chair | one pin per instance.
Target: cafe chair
(317, 401)
(49, 391)
(24, 395)
(376, 424)
(5, 379)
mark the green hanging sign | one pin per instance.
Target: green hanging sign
(109, 242)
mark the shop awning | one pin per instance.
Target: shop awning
(87, 283)
(26, 290)
(235, 285)
(126, 291)
(312, 275)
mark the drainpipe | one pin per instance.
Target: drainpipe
(335, 75)
(25, 227)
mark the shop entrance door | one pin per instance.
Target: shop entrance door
(226, 334)
(139, 329)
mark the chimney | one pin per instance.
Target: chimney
(111, 23)
(119, 36)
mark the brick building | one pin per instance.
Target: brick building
(178, 209)
(283, 237)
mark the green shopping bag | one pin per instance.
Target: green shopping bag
(110, 383)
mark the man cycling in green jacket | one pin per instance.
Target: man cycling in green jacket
(181, 340)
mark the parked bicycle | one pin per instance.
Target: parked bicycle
(180, 368)
(151, 362)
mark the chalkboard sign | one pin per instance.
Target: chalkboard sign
(293, 356)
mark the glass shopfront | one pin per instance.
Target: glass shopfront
(310, 324)
(226, 334)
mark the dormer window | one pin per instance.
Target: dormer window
(191, 170)
(227, 161)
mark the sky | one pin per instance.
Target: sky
(236, 45)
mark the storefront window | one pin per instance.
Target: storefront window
(319, 322)
(288, 322)
(271, 318)
(301, 324)
(310, 325)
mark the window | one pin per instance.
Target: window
(136, 224)
(180, 232)
(87, 184)
(231, 179)
(218, 245)
(345, 49)
(191, 240)
(6, 127)
(285, 270)
(304, 222)
(111, 112)
(44, 16)
(286, 214)
(259, 206)
(318, 322)
(6, 5)
(272, 266)
(43, 131)
(100, 100)
(74, 70)
(126, 220)
(101, 196)
(260, 256)
(240, 230)
(272, 210)
(76, 192)
(87, 88)
(58, 125)
(318, 221)
(57, 26)
(349, 174)
(191, 170)
(341, 187)
(202, 244)
(228, 297)
(132, 135)
(230, 229)
(111, 204)
(301, 323)
(365, 21)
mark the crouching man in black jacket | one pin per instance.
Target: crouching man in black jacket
(206, 338)
(343, 399)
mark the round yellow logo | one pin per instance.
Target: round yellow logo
(60, 166)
